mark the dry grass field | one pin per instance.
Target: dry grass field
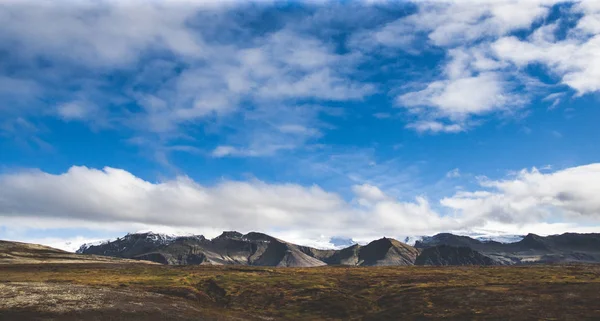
(154, 292)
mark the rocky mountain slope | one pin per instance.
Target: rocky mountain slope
(250, 249)
(564, 248)
(442, 255)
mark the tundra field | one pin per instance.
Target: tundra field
(137, 291)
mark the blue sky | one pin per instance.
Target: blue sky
(305, 120)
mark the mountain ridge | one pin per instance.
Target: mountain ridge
(533, 248)
(259, 249)
(253, 248)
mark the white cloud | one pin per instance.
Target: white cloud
(483, 69)
(534, 197)
(367, 194)
(76, 110)
(458, 98)
(98, 33)
(576, 61)
(435, 127)
(113, 198)
(222, 151)
(474, 82)
(116, 197)
(191, 73)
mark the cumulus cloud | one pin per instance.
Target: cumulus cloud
(84, 197)
(367, 194)
(457, 99)
(533, 197)
(114, 196)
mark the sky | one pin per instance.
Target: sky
(304, 120)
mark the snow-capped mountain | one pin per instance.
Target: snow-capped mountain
(132, 239)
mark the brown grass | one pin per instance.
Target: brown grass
(569, 292)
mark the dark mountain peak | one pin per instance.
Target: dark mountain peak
(454, 237)
(532, 236)
(255, 236)
(452, 255)
(230, 235)
(383, 240)
(387, 251)
(534, 241)
(444, 235)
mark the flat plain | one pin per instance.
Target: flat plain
(132, 291)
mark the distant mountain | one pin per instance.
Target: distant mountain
(249, 249)
(482, 237)
(380, 252)
(564, 248)
(452, 255)
(447, 239)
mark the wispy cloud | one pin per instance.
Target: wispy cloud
(177, 72)
(483, 74)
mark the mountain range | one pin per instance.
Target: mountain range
(258, 249)
(564, 248)
(250, 249)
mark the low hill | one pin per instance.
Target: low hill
(26, 253)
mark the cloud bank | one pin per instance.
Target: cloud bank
(110, 196)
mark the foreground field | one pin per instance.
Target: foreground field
(153, 292)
